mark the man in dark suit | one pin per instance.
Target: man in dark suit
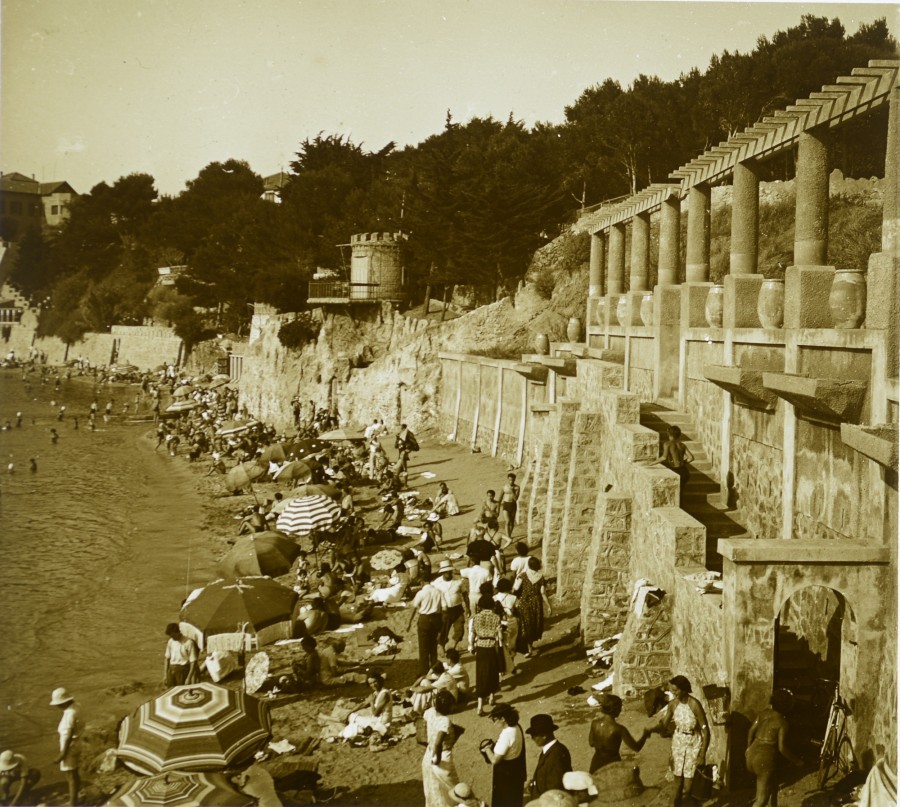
(555, 759)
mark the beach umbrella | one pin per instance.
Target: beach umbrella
(195, 727)
(311, 489)
(235, 427)
(385, 559)
(307, 513)
(228, 606)
(182, 406)
(243, 475)
(264, 553)
(273, 453)
(301, 470)
(305, 448)
(174, 789)
(183, 391)
(340, 435)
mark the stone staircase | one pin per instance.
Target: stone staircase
(701, 496)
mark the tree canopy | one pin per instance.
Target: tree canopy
(474, 201)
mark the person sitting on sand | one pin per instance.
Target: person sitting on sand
(332, 670)
(255, 522)
(307, 668)
(16, 778)
(422, 691)
(445, 503)
(395, 591)
(378, 711)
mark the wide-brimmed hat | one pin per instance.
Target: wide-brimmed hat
(60, 697)
(579, 780)
(8, 761)
(433, 517)
(541, 724)
(463, 792)
(446, 566)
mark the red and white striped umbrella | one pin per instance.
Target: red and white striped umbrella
(175, 789)
(196, 727)
(307, 513)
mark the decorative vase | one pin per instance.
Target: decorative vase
(715, 306)
(573, 329)
(770, 303)
(622, 309)
(600, 311)
(647, 309)
(542, 344)
(848, 298)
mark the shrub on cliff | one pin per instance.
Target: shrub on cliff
(299, 332)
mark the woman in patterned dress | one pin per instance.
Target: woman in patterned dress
(691, 737)
(484, 641)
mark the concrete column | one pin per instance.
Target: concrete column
(669, 240)
(598, 244)
(890, 227)
(639, 279)
(811, 214)
(558, 479)
(697, 248)
(744, 219)
(615, 266)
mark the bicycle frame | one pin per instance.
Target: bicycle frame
(837, 755)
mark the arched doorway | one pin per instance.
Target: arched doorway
(815, 648)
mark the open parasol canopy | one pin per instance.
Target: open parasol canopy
(183, 391)
(235, 427)
(224, 606)
(195, 727)
(243, 474)
(263, 553)
(182, 406)
(174, 789)
(273, 453)
(298, 449)
(385, 559)
(299, 470)
(341, 435)
(307, 513)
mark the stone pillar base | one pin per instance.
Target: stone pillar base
(693, 304)
(806, 292)
(666, 345)
(741, 298)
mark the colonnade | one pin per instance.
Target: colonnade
(607, 262)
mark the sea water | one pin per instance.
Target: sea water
(98, 548)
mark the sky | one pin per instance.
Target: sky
(92, 90)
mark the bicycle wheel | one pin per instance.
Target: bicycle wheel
(846, 758)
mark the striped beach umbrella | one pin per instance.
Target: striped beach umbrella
(196, 727)
(175, 789)
(307, 513)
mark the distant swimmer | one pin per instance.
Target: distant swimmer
(75, 419)
(11, 468)
(7, 426)
(53, 436)
(33, 462)
(18, 420)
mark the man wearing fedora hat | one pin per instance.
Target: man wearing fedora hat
(16, 778)
(455, 605)
(555, 760)
(69, 733)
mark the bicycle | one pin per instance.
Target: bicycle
(837, 756)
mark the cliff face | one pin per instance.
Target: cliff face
(380, 363)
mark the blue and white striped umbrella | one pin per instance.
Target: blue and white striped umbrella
(307, 513)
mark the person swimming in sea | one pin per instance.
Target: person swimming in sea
(53, 436)
(33, 464)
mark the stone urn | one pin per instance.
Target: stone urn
(647, 309)
(542, 344)
(600, 311)
(770, 303)
(848, 298)
(715, 306)
(622, 309)
(573, 329)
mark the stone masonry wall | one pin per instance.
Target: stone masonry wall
(644, 654)
(580, 506)
(558, 479)
(704, 401)
(536, 515)
(757, 462)
(607, 591)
